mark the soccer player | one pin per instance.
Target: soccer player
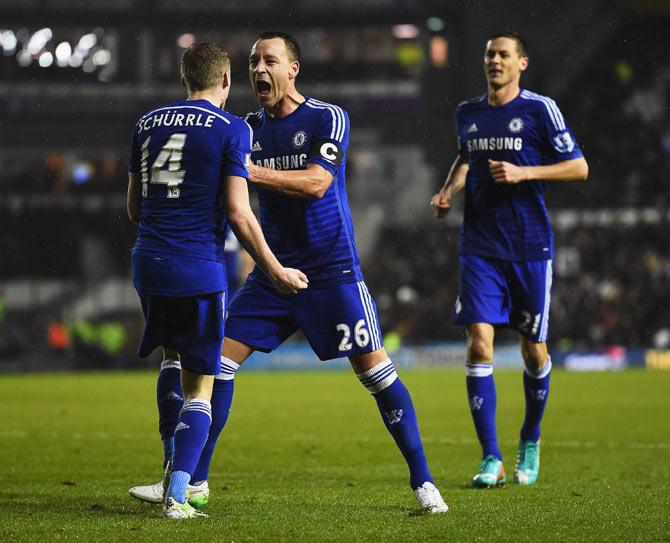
(298, 167)
(510, 142)
(187, 179)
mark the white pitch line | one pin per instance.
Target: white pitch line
(562, 444)
(19, 434)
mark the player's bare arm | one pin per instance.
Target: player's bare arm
(248, 232)
(311, 183)
(568, 170)
(441, 202)
(134, 196)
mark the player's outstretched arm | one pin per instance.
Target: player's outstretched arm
(249, 233)
(454, 183)
(575, 169)
(134, 196)
(311, 183)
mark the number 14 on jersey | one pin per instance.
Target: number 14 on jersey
(173, 176)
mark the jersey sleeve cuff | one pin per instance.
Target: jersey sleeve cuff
(323, 163)
(240, 172)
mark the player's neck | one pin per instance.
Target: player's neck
(503, 95)
(213, 98)
(287, 105)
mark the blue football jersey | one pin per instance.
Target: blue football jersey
(316, 236)
(182, 152)
(510, 222)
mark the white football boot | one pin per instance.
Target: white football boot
(180, 511)
(430, 499)
(197, 496)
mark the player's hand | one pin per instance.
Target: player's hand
(290, 281)
(506, 173)
(441, 203)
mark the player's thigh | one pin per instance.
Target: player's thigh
(197, 331)
(259, 317)
(530, 293)
(483, 295)
(339, 321)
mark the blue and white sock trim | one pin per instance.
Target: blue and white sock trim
(539, 373)
(378, 378)
(203, 406)
(228, 369)
(167, 364)
(478, 370)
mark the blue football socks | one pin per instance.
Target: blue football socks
(395, 405)
(536, 387)
(189, 438)
(170, 402)
(482, 398)
(222, 399)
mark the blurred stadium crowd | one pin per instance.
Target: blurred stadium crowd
(65, 275)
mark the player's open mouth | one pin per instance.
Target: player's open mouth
(263, 88)
(494, 71)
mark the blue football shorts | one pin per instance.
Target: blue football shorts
(504, 292)
(338, 321)
(191, 325)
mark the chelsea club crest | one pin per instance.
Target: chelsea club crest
(299, 139)
(515, 125)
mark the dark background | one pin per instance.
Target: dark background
(75, 76)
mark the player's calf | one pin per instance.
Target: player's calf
(397, 410)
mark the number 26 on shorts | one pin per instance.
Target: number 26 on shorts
(361, 335)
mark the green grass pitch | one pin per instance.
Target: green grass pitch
(305, 457)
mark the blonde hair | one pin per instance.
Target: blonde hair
(202, 65)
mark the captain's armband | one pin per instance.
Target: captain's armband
(327, 150)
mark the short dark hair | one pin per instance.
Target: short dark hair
(291, 44)
(521, 46)
(202, 65)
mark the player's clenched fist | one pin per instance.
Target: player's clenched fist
(290, 281)
(441, 203)
(504, 172)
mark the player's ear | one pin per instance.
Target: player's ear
(295, 70)
(225, 80)
(523, 63)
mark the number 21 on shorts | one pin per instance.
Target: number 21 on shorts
(361, 335)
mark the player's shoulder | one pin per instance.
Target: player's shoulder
(537, 101)
(329, 116)
(237, 124)
(254, 118)
(324, 109)
(471, 103)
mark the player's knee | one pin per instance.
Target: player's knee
(480, 351)
(535, 355)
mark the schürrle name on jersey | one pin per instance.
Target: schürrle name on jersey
(494, 144)
(176, 119)
(286, 162)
